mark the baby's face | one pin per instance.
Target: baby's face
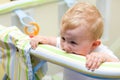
(76, 41)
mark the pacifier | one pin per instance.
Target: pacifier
(35, 29)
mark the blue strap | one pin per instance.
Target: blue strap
(5, 77)
(38, 66)
(32, 71)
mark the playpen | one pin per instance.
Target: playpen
(18, 59)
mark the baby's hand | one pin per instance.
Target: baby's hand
(38, 40)
(94, 60)
(34, 42)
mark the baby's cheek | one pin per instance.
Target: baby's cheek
(82, 52)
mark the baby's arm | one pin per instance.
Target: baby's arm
(107, 53)
(100, 55)
(42, 40)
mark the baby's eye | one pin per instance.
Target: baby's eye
(63, 38)
(73, 42)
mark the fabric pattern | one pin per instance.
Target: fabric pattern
(13, 46)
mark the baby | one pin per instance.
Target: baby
(80, 33)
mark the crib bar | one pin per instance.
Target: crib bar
(8, 7)
(75, 62)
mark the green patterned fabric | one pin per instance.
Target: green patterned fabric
(13, 44)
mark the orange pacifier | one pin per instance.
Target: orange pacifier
(31, 28)
(35, 29)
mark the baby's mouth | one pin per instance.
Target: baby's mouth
(74, 53)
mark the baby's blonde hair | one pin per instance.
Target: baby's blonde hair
(84, 14)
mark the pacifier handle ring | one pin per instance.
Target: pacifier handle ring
(22, 15)
(36, 29)
(27, 17)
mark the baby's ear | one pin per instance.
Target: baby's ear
(96, 44)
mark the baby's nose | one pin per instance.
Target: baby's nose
(67, 49)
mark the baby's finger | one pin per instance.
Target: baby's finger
(98, 63)
(89, 62)
(94, 64)
(33, 44)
